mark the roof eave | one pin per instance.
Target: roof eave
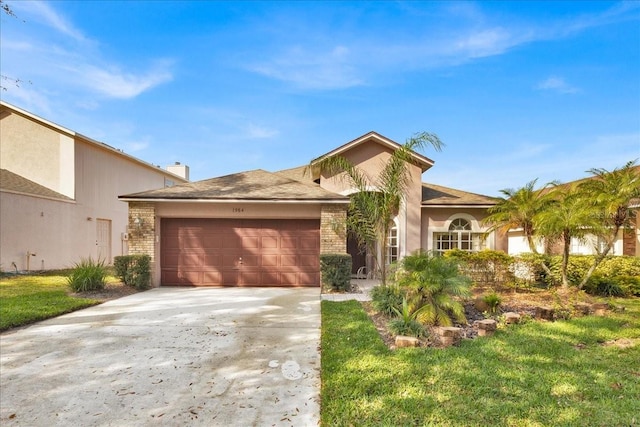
(201, 200)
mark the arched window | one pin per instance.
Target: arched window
(460, 236)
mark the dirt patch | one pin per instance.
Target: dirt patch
(111, 291)
(622, 343)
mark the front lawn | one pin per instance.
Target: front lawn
(581, 372)
(28, 299)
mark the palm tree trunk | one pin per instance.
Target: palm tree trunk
(598, 259)
(566, 245)
(534, 250)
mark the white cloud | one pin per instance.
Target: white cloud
(260, 132)
(557, 84)
(51, 18)
(308, 69)
(463, 33)
(51, 52)
(117, 84)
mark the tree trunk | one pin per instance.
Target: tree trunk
(598, 259)
(566, 245)
(533, 249)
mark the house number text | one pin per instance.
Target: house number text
(238, 210)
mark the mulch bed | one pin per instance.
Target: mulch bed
(111, 291)
(524, 303)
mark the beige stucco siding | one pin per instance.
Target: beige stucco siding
(51, 229)
(38, 153)
(371, 157)
(91, 174)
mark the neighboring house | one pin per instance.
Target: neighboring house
(59, 193)
(259, 228)
(626, 243)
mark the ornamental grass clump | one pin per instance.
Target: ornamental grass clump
(87, 275)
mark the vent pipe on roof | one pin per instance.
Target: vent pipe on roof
(180, 170)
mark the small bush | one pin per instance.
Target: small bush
(87, 275)
(630, 285)
(412, 328)
(335, 270)
(134, 270)
(386, 299)
(493, 300)
(604, 286)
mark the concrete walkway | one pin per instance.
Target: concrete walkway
(364, 286)
(169, 356)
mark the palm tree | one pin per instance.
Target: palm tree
(433, 284)
(611, 195)
(568, 216)
(518, 209)
(377, 200)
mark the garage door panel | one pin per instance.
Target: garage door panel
(212, 260)
(309, 244)
(288, 260)
(190, 259)
(289, 242)
(232, 242)
(308, 261)
(269, 242)
(288, 279)
(233, 252)
(270, 278)
(269, 260)
(211, 278)
(249, 261)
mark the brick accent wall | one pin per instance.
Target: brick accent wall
(333, 235)
(142, 235)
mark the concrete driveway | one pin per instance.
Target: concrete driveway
(169, 356)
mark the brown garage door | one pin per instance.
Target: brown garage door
(234, 252)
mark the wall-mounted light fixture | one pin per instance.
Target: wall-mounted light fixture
(138, 222)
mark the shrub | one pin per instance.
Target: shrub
(87, 275)
(405, 323)
(335, 270)
(386, 299)
(134, 270)
(604, 286)
(434, 285)
(485, 267)
(493, 300)
(630, 285)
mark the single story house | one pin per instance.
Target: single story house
(627, 243)
(260, 228)
(59, 193)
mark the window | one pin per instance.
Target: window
(459, 236)
(392, 245)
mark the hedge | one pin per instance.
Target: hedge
(335, 271)
(134, 270)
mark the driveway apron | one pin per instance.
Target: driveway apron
(169, 356)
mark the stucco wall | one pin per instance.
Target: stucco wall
(38, 153)
(60, 233)
(435, 220)
(371, 157)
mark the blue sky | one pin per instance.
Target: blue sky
(516, 90)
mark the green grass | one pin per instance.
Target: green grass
(28, 299)
(527, 375)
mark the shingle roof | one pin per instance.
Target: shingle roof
(437, 195)
(15, 183)
(251, 185)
